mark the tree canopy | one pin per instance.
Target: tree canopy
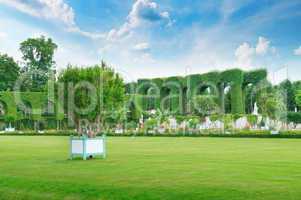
(38, 56)
(98, 85)
(9, 72)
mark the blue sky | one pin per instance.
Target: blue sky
(154, 38)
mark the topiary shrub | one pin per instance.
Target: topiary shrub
(234, 77)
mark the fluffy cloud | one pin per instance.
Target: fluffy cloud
(263, 46)
(141, 47)
(297, 51)
(143, 11)
(244, 54)
(146, 10)
(3, 35)
(55, 10)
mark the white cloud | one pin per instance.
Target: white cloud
(244, 54)
(263, 46)
(55, 10)
(3, 35)
(297, 51)
(47, 9)
(22, 7)
(141, 47)
(143, 11)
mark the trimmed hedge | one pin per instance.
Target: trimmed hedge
(219, 133)
(37, 101)
(206, 133)
(235, 78)
(46, 133)
(254, 76)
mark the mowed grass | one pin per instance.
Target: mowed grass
(152, 168)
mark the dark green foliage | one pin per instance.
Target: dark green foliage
(177, 93)
(175, 82)
(237, 106)
(298, 98)
(253, 77)
(158, 82)
(232, 76)
(9, 72)
(294, 117)
(211, 77)
(287, 91)
(252, 81)
(109, 88)
(130, 88)
(8, 100)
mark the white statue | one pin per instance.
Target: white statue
(255, 111)
(173, 123)
(241, 123)
(141, 119)
(207, 123)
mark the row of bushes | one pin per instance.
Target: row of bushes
(218, 133)
(206, 133)
(46, 133)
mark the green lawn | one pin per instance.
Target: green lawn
(152, 168)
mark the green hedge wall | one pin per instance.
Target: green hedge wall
(234, 78)
(10, 105)
(37, 101)
(254, 76)
(174, 86)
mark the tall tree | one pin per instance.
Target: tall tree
(298, 98)
(271, 103)
(109, 92)
(287, 90)
(9, 72)
(38, 56)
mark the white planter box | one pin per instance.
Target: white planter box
(274, 132)
(86, 147)
(10, 129)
